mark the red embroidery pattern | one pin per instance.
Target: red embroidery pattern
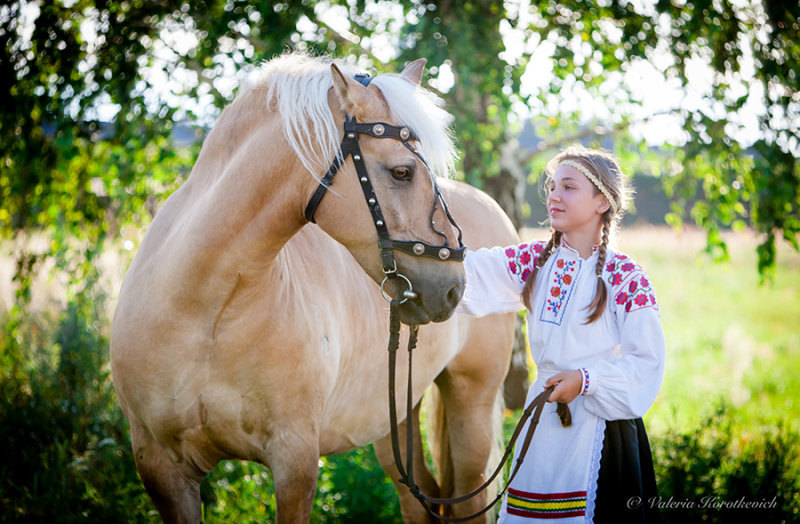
(562, 276)
(521, 259)
(629, 283)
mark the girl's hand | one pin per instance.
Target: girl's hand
(568, 386)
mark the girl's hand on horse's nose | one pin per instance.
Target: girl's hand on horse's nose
(568, 386)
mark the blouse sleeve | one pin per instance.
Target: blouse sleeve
(625, 387)
(495, 278)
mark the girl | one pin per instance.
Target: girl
(594, 332)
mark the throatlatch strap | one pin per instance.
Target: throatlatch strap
(322, 188)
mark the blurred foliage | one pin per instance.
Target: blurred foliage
(351, 488)
(68, 454)
(717, 465)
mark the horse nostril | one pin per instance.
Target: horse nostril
(454, 295)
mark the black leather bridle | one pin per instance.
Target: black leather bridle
(350, 148)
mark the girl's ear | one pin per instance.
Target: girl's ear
(604, 204)
(351, 94)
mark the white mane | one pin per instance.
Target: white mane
(298, 87)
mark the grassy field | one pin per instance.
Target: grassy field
(729, 338)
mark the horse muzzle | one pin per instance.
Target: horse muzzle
(424, 299)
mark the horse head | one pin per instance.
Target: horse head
(386, 208)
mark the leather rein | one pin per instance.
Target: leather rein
(350, 148)
(533, 412)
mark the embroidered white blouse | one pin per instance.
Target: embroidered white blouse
(621, 355)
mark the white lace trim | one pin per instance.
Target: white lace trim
(594, 471)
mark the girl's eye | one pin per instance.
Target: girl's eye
(402, 173)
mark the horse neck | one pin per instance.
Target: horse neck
(247, 187)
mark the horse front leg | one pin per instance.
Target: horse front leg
(410, 508)
(293, 459)
(173, 487)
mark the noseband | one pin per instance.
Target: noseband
(387, 245)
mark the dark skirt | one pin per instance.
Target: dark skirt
(626, 481)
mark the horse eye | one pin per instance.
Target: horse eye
(401, 173)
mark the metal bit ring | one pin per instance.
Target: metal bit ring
(406, 294)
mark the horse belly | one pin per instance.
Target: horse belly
(357, 412)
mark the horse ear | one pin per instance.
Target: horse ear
(349, 92)
(413, 71)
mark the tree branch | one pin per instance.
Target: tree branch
(343, 40)
(589, 132)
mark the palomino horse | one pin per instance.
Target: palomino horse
(244, 331)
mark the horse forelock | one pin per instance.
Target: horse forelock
(421, 111)
(298, 85)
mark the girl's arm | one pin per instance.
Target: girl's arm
(495, 278)
(626, 387)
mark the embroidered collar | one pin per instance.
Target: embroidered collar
(575, 252)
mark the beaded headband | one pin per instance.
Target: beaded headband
(596, 181)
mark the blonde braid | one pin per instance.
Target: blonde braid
(527, 289)
(601, 293)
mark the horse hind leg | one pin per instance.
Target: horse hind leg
(411, 510)
(469, 416)
(174, 491)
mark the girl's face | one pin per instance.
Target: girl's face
(574, 204)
